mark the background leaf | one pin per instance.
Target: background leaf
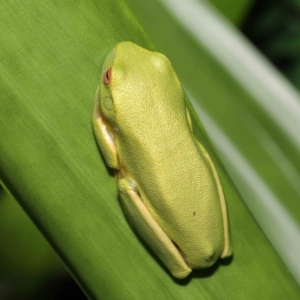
(27, 262)
(273, 27)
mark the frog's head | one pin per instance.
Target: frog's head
(137, 85)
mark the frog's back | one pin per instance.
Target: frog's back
(173, 173)
(179, 187)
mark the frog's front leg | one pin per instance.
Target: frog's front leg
(105, 136)
(141, 219)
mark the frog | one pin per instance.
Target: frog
(169, 187)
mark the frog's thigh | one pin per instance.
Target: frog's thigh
(104, 138)
(227, 251)
(150, 231)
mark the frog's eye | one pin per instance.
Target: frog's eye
(107, 77)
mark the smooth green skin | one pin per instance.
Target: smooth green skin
(168, 185)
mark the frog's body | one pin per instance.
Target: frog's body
(169, 187)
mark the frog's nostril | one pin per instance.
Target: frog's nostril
(209, 258)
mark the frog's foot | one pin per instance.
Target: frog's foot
(139, 216)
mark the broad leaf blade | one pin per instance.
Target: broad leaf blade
(51, 60)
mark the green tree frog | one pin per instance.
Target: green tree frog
(169, 187)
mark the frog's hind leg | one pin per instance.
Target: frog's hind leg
(189, 119)
(141, 219)
(227, 251)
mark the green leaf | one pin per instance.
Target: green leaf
(235, 11)
(51, 57)
(26, 259)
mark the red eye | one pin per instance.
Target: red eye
(107, 77)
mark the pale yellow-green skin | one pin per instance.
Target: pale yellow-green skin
(169, 188)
